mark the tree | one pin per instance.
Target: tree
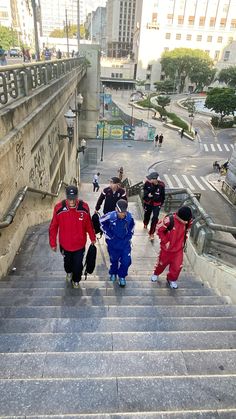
(181, 63)
(8, 37)
(166, 86)
(163, 101)
(72, 32)
(203, 77)
(190, 105)
(228, 76)
(222, 101)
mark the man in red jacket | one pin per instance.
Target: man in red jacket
(173, 238)
(71, 217)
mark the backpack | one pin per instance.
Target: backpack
(96, 224)
(90, 260)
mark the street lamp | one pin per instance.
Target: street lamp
(70, 121)
(82, 147)
(79, 101)
(103, 136)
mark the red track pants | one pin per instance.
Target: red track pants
(175, 262)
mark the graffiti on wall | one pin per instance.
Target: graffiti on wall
(20, 155)
(37, 174)
(52, 141)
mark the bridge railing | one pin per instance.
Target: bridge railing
(20, 80)
(209, 238)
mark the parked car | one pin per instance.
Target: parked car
(15, 52)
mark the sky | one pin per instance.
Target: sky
(93, 4)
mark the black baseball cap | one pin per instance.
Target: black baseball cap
(153, 175)
(71, 192)
(122, 205)
(115, 180)
(185, 213)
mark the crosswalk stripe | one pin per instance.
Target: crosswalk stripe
(188, 182)
(170, 184)
(219, 147)
(227, 148)
(207, 184)
(212, 147)
(205, 146)
(198, 183)
(180, 185)
(232, 145)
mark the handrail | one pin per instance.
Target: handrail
(19, 198)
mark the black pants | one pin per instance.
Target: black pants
(73, 262)
(95, 186)
(148, 211)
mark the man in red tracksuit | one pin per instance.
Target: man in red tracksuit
(71, 218)
(153, 199)
(172, 244)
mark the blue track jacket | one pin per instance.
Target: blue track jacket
(118, 232)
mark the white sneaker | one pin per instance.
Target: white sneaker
(172, 284)
(68, 277)
(154, 278)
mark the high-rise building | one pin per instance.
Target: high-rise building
(120, 27)
(17, 15)
(96, 26)
(209, 25)
(53, 14)
(5, 13)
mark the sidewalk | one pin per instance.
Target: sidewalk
(215, 180)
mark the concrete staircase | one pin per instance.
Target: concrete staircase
(104, 352)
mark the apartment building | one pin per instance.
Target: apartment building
(120, 27)
(96, 26)
(17, 15)
(209, 25)
(5, 13)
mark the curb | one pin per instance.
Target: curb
(212, 183)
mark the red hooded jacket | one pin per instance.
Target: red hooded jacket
(173, 240)
(73, 225)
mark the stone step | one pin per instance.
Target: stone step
(113, 311)
(73, 396)
(116, 324)
(117, 364)
(114, 291)
(78, 299)
(116, 341)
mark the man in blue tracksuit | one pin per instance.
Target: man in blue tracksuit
(118, 227)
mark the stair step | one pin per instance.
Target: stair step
(73, 396)
(79, 300)
(116, 324)
(127, 341)
(113, 311)
(117, 364)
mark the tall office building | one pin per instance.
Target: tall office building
(5, 13)
(17, 15)
(96, 26)
(53, 14)
(120, 27)
(209, 25)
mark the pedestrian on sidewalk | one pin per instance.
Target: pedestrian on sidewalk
(110, 196)
(156, 140)
(182, 133)
(96, 182)
(153, 199)
(71, 220)
(172, 231)
(160, 140)
(118, 227)
(120, 173)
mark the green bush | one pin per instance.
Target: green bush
(217, 123)
(174, 118)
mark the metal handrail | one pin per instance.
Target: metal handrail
(19, 198)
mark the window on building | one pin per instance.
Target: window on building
(212, 22)
(117, 75)
(233, 23)
(202, 21)
(191, 20)
(178, 36)
(199, 38)
(189, 37)
(149, 67)
(209, 38)
(219, 39)
(170, 18)
(180, 20)
(154, 18)
(148, 76)
(121, 76)
(168, 35)
(216, 55)
(112, 75)
(222, 23)
(226, 55)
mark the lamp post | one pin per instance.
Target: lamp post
(103, 119)
(70, 121)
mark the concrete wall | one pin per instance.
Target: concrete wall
(31, 154)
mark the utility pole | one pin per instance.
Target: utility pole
(67, 37)
(36, 38)
(78, 25)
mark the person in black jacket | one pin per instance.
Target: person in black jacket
(153, 199)
(111, 195)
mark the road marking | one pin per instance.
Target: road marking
(227, 148)
(219, 147)
(180, 185)
(212, 147)
(232, 145)
(188, 182)
(205, 146)
(170, 184)
(207, 184)
(198, 183)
